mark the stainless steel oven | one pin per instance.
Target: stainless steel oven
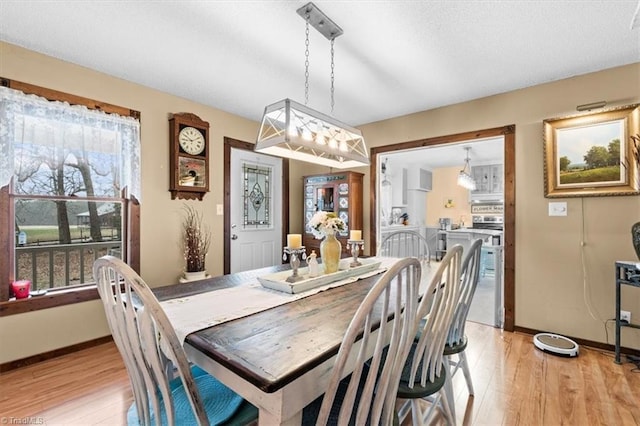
(495, 222)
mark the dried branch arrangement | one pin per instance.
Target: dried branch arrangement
(196, 238)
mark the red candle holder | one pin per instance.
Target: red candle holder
(21, 288)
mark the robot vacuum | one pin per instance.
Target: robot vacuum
(555, 344)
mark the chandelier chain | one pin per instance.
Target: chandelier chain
(306, 62)
(332, 75)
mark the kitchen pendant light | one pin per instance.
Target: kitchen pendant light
(292, 130)
(385, 195)
(464, 177)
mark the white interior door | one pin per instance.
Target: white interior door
(256, 210)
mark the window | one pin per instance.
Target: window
(70, 180)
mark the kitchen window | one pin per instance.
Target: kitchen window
(70, 182)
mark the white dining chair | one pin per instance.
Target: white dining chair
(456, 342)
(368, 394)
(405, 243)
(166, 389)
(425, 375)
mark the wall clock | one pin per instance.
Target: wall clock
(188, 156)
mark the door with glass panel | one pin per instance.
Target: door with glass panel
(256, 216)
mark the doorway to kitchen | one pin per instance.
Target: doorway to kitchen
(495, 304)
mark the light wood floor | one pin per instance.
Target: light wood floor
(515, 384)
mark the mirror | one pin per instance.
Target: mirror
(325, 199)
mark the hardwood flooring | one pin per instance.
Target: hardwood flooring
(515, 384)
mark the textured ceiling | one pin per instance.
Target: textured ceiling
(395, 57)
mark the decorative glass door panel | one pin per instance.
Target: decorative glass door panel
(256, 196)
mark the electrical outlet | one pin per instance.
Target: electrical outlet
(625, 316)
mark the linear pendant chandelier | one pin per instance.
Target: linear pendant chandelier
(292, 130)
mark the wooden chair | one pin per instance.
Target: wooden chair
(456, 339)
(165, 389)
(425, 375)
(368, 394)
(403, 243)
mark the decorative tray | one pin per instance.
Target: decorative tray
(278, 281)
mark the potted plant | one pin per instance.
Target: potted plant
(196, 239)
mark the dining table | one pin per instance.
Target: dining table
(275, 349)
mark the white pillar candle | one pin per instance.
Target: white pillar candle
(294, 240)
(355, 235)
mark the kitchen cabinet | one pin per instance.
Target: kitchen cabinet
(399, 188)
(340, 193)
(431, 235)
(409, 179)
(491, 267)
(463, 238)
(489, 179)
(441, 245)
(466, 236)
(385, 231)
(419, 179)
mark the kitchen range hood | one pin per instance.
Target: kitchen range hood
(486, 198)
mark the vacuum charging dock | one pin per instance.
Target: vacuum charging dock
(556, 344)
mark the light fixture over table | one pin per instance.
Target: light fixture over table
(464, 177)
(292, 130)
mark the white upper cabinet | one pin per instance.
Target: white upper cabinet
(399, 190)
(419, 179)
(489, 179)
(410, 178)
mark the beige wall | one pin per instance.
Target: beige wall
(161, 262)
(549, 286)
(445, 188)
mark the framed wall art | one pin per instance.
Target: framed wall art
(593, 154)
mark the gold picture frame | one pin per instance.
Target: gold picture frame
(582, 159)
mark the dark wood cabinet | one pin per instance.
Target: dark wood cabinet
(340, 193)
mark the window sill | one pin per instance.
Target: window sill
(52, 299)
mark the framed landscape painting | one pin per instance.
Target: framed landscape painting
(593, 154)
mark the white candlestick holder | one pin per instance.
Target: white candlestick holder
(355, 246)
(294, 255)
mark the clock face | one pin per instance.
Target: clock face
(191, 140)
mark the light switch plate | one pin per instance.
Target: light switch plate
(219, 209)
(557, 209)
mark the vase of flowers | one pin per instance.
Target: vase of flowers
(196, 238)
(325, 225)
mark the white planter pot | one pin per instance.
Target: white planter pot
(194, 276)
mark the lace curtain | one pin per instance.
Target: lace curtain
(33, 129)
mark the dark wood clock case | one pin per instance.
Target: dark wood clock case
(188, 174)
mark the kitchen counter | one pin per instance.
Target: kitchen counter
(465, 237)
(393, 228)
(487, 232)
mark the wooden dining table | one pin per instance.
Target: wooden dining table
(279, 359)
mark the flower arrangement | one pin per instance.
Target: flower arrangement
(196, 238)
(323, 223)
